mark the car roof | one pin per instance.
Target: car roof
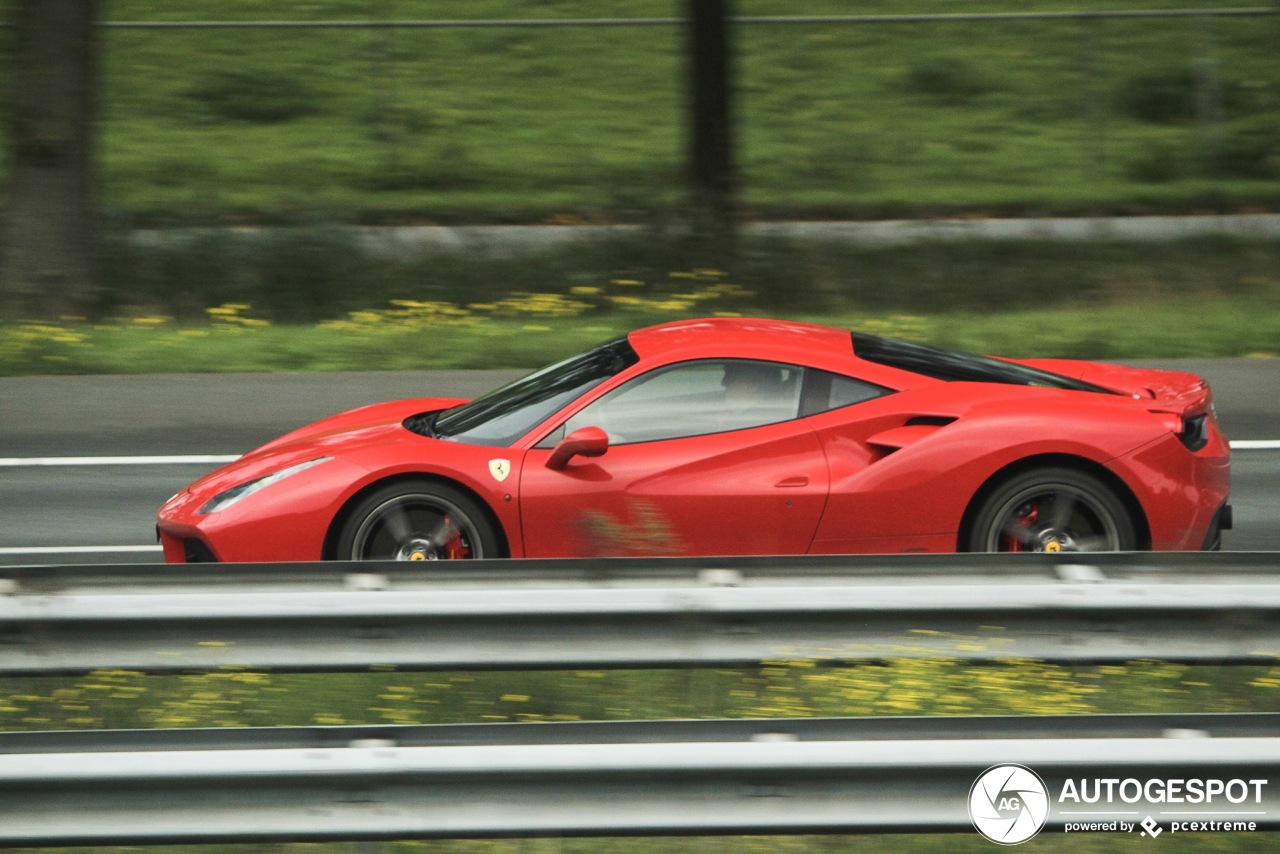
(748, 337)
(894, 364)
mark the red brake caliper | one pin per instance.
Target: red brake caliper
(1014, 544)
(455, 547)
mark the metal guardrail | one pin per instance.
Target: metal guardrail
(853, 775)
(1222, 607)
(720, 777)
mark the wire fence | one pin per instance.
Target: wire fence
(966, 17)
(1081, 40)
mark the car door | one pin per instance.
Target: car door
(706, 457)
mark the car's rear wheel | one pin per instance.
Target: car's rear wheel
(417, 521)
(1053, 510)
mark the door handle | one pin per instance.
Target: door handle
(792, 482)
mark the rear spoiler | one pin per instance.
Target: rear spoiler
(1184, 399)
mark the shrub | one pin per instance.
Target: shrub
(255, 96)
(1161, 97)
(1251, 149)
(305, 274)
(1157, 163)
(948, 79)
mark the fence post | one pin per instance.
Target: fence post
(1208, 96)
(1095, 130)
(710, 120)
(388, 121)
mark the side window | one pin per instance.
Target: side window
(693, 399)
(825, 391)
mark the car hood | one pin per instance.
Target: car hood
(337, 431)
(335, 436)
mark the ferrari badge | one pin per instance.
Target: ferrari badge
(499, 469)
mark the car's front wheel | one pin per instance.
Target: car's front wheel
(417, 521)
(1053, 510)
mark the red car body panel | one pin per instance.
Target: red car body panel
(891, 474)
(746, 492)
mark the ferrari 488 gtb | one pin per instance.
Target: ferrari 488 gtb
(736, 437)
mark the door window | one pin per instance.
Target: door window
(694, 399)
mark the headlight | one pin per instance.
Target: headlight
(225, 499)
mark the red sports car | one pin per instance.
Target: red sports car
(736, 437)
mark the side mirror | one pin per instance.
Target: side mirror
(583, 442)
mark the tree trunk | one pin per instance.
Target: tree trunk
(47, 265)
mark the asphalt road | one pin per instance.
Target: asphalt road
(96, 512)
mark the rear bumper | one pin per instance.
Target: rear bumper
(1222, 521)
(1183, 493)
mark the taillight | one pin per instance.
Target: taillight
(1195, 431)
(1192, 430)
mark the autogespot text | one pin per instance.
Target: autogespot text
(1174, 791)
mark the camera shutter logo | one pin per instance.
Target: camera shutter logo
(1009, 804)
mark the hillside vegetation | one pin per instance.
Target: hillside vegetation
(309, 130)
(586, 123)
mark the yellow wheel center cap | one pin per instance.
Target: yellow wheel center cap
(1053, 546)
(417, 556)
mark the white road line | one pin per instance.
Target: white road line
(176, 460)
(75, 550)
(1256, 445)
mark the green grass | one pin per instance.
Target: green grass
(1138, 330)
(504, 124)
(232, 696)
(310, 300)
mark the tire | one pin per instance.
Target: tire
(417, 520)
(1052, 510)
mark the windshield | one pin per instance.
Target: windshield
(952, 366)
(503, 416)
